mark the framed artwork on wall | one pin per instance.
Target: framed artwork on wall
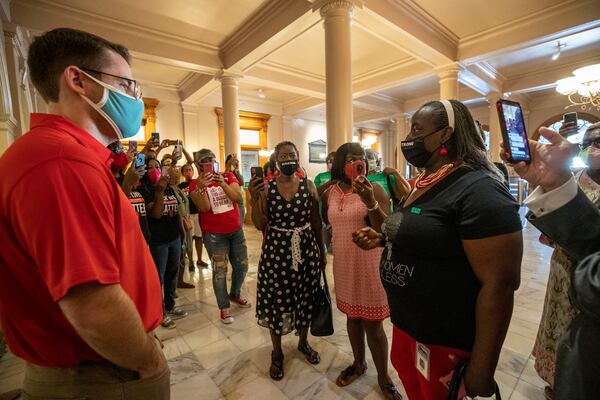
(317, 152)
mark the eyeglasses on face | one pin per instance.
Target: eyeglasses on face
(130, 86)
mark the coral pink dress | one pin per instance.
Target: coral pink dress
(359, 292)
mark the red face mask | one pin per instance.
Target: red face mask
(154, 175)
(120, 160)
(354, 169)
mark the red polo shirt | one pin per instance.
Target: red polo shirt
(64, 221)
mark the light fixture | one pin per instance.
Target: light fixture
(261, 93)
(583, 88)
(559, 47)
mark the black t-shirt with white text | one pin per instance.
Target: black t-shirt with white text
(139, 205)
(164, 229)
(430, 285)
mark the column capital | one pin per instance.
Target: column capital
(449, 71)
(327, 6)
(228, 77)
(493, 97)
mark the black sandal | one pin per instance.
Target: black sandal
(390, 391)
(350, 372)
(276, 370)
(310, 354)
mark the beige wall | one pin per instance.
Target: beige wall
(302, 132)
(169, 121)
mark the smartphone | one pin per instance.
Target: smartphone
(132, 146)
(570, 118)
(256, 172)
(140, 160)
(164, 171)
(514, 134)
(155, 136)
(178, 148)
(215, 168)
(358, 168)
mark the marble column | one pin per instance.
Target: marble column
(9, 125)
(231, 112)
(337, 15)
(449, 82)
(494, 123)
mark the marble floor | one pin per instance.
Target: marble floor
(212, 361)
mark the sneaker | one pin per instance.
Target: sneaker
(168, 323)
(226, 318)
(201, 264)
(185, 285)
(177, 313)
(240, 301)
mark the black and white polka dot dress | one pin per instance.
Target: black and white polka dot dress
(285, 297)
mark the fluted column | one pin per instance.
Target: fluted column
(449, 82)
(231, 112)
(494, 122)
(337, 15)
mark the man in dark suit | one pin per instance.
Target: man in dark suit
(563, 213)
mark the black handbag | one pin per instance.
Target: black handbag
(457, 377)
(322, 319)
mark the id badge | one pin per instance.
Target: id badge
(422, 360)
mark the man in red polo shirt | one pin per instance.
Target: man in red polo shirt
(79, 293)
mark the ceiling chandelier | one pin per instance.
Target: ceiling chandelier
(583, 88)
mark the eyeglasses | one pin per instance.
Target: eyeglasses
(130, 86)
(587, 143)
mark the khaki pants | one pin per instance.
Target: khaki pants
(92, 381)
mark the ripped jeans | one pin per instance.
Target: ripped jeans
(222, 249)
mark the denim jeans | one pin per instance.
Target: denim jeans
(224, 248)
(166, 257)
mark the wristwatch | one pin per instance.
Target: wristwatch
(492, 397)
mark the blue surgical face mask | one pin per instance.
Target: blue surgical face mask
(123, 112)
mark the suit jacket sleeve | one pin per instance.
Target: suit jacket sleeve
(586, 286)
(575, 226)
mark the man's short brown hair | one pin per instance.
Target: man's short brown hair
(55, 50)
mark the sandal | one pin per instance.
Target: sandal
(390, 391)
(349, 375)
(310, 354)
(276, 370)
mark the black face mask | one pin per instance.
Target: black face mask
(415, 152)
(288, 168)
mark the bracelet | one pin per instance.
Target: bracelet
(375, 207)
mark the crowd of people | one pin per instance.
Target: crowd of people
(90, 272)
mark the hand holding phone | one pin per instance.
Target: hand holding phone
(514, 135)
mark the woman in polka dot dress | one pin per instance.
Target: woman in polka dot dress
(289, 271)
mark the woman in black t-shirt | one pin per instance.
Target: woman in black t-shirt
(165, 240)
(452, 257)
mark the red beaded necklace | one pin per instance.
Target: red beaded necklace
(423, 181)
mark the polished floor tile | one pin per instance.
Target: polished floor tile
(213, 361)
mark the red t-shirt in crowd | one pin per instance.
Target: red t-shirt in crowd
(224, 216)
(64, 222)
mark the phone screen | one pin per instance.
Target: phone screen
(256, 172)
(132, 145)
(215, 167)
(513, 130)
(140, 159)
(156, 136)
(570, 118)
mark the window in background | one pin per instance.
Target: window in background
(249, 137)
(250, 158)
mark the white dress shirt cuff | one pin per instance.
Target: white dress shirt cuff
(542, 203)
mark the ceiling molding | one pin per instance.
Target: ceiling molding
(419, 14)
(490, 71)
(42, 15)
(160, 85)
(287, 69)
(551, 23)
(384, 69)
(267, 21)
